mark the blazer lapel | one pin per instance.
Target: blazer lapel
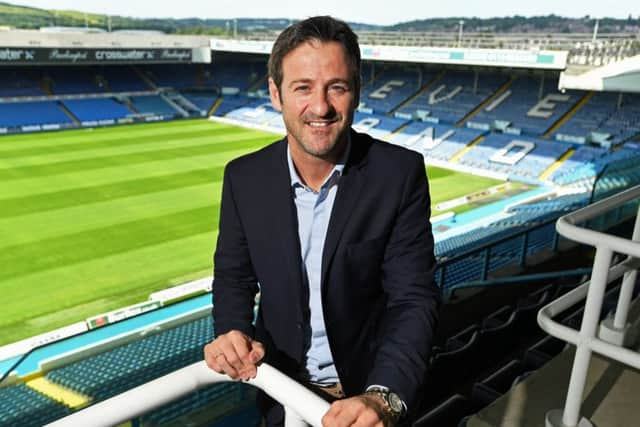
(283, 214)
(351, 183)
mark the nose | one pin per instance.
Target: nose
(320, 105)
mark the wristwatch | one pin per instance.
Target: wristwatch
(393, 406)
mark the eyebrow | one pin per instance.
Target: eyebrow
(332, 81)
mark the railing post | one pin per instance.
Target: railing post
(615, 331)
(590, 320)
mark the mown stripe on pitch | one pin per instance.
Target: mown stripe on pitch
(74, 219)
(73, 248)
(71, 136)
(123, 140)
(128, 277)
(100, 193)
(66, 137)
(146, 146)
(112, 175)
(124, 159)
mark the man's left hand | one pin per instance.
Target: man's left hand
(358, 411)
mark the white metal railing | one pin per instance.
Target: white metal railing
(610, 339)
(302, 406)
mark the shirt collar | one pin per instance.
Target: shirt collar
(338, 168)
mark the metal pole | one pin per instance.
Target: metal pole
(590, 320)
(595, 31)
(628, 283)
(461, 24)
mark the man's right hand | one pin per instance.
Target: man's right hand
(234, 354)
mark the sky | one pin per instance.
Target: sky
(364, 11)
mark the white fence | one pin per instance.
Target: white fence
(613, 333)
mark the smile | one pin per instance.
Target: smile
(320, 124)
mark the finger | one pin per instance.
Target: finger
(242, 346)
(209, 357)
(257, 352)
(226, 367)
(367, 417)
(356, 413)
(332, 415)
(248, 373)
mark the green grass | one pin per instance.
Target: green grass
(94, 220)
(446, 185)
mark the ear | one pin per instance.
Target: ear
(274, 93)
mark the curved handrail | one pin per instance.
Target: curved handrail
(566, 225)
(154, 394)
(587, 339)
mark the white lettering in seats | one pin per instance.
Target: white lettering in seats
(544, 108)
(385, 89)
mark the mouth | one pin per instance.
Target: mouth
(320, 123)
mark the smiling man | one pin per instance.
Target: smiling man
(334, 227)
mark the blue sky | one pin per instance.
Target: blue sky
(365, 11)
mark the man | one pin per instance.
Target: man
(334, 226)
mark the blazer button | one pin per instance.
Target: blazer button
(299, 325)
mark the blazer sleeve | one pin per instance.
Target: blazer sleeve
(234, 283)
(406, 330)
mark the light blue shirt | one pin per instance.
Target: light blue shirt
(314, 211)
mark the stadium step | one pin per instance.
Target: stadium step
(144, 78)
(486, 102)
(68, 112)
(58, 393)
(562, 120)
(544, 175)
(456, 157)
(214, 107)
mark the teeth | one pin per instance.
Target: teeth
(318, 124)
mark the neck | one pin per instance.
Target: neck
(313, 170)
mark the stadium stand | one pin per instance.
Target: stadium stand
(122, 79)
(177, 76)
(605, 119)
(445, 142)
(112, 372)
(423, 121)
(31, 113)
(588, 162)
(377, 126)
(233, 75)
(390, 89)
(529, 106)
(73, 80)
(22, 406)
(230, 103)
(517, 156)
(19, 82)
(454, 95)
(91, 110)
(153, 105)
(258, 112)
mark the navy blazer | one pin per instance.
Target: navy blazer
(378, 293)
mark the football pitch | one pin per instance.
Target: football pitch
(96, 219)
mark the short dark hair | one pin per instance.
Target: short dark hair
(320, 28)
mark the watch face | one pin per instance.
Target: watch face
(395, 402)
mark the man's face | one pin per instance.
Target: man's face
(317, 98)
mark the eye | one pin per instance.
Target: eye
(301, 88)
(339, 88)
